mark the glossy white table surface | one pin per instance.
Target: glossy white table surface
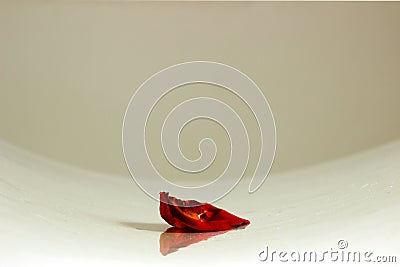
(56, 215)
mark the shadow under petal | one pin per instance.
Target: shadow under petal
(175, 238)
(154, 227)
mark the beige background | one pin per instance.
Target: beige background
(329, 70)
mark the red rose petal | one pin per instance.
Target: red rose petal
(195, 215)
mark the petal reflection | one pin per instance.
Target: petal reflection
(175, 238)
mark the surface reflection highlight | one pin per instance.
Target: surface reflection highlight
(175, 238)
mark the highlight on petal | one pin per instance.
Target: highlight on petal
(195, 215)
